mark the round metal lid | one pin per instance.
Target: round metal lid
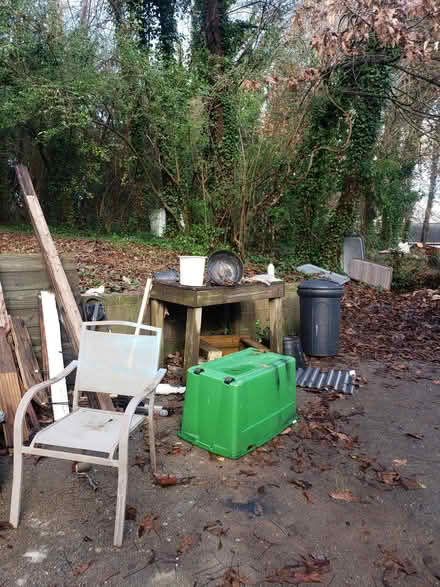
(225, 268)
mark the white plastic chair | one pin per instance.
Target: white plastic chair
(108, 362)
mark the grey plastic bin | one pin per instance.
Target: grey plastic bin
(320, 313)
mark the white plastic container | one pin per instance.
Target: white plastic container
(192, 270)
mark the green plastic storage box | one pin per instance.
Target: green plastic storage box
(239, 402)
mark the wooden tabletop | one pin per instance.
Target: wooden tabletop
(198, 297)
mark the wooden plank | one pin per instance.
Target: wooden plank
(157, 320)
(27, 362)
(55, 269)
(31, 262)
(275, 314)
(222, 341)
(209, 351)
(60, 407)
(248, 342)
(192, 338)
(29, 316)
(10, 392)
(25, 284)
(4, 319)
(211, 296)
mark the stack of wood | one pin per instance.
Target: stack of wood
(18, 371)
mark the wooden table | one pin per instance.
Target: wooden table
(196, 298)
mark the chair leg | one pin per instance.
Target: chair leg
(151, 434)
(120, 504)
(16, 488)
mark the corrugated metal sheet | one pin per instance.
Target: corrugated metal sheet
(314, 378)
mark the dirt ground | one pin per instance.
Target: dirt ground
(267, 518)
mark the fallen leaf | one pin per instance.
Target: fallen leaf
(147, 524)
(232, 578)
(130, 512)
(400, 462)
(407, 567)
(308, 496)
(165, 480)
(411, 483)
(286, 575)
(139, 462)
(247, 473)
(300, 483)
(388, 477)
(261, 489)
(4, 525)
(436, 381)
(186, 544)
(344, 496)
(216, 528)
(82, 569)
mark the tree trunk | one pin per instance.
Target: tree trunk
(341, 222)
(432, 189)
(213, 28)
(84, 16)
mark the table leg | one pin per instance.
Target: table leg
(157, 319)
(192, 338)
(275, 314)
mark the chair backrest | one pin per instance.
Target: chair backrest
(109, 362)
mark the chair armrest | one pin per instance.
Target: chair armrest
(26, 399)
(133, 404)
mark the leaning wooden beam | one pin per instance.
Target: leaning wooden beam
(27, 362)
(65, 299)
(64, 294)
(60, 405)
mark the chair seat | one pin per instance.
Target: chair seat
(86, 429)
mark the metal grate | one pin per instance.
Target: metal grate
(314, 378)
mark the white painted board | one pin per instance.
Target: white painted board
(59, 397)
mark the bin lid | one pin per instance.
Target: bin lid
(321, 285)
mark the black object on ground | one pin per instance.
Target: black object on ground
(292, 346)
(320, 314)
(225, 268)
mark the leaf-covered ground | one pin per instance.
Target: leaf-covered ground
(375, 325)
(121, 266)
(390, 327)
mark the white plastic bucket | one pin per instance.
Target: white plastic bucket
(192, 270)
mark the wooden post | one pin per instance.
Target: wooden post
(63, 292)
(192, 338)
(275, 313)
(158, 319)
